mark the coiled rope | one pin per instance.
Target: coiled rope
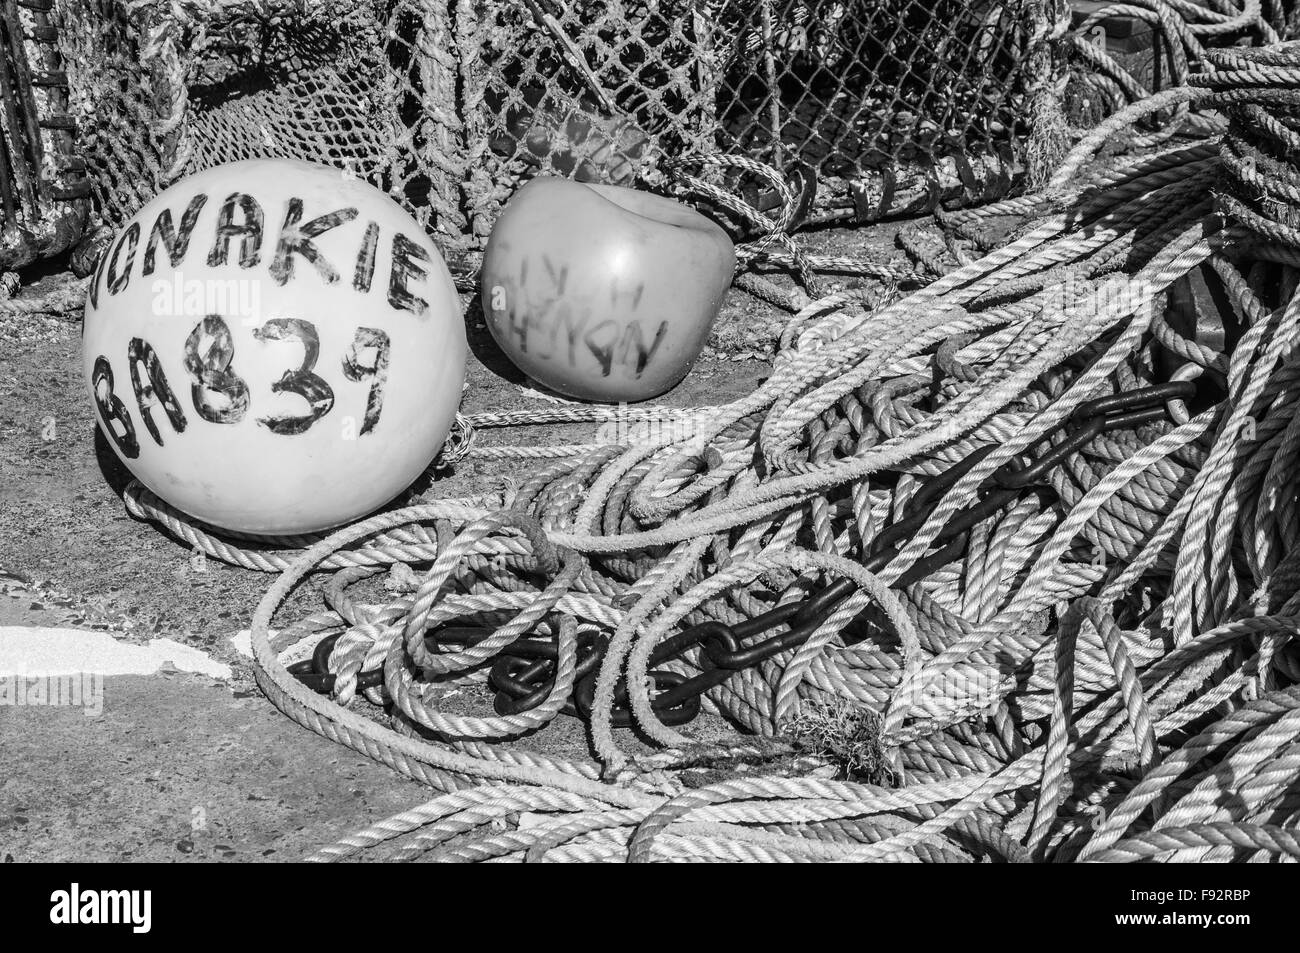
(1108, 674)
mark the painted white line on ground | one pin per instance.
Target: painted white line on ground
(35, 650)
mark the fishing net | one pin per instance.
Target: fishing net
(448, 106)
(158, 94)
(891, 107)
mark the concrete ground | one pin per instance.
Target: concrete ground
(180, 766)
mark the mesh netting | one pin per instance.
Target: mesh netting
(116, 103)
(871, 95)
(896, 104)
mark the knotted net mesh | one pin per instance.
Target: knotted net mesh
(447, 106)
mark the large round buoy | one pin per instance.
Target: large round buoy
(274, 347)
(601, 292)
